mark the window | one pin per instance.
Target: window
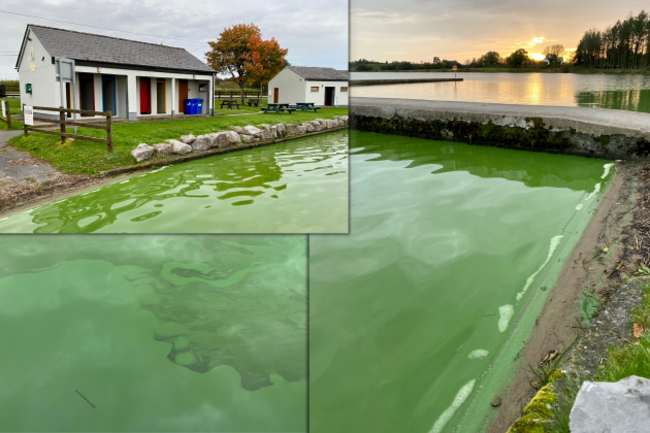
(315, 89)
(344, 89)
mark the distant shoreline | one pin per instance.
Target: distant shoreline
(571, 70)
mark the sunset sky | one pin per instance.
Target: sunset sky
(416, 30)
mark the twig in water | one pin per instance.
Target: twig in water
(85, 399)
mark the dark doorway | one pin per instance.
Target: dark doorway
(276, 95)
(145, 96)
(161, 94)
(68, 97)
(109, 94)
(87, 93)
(329, 96)
(182, 95)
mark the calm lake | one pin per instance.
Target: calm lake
(158, 333)
(448, 243)
(298, 186)
(625, 92)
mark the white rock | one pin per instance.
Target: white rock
(220, 140)
(302, 129)
(237, 129)
(142, 151)
(246, 138)
(265, 126)
(274, 131)
(163, 149)
(265, 135)
(281, 129)
(202, 142)
(613, 407)
(292, 129)
(309, 127)
(251, 130)
(188, 139)
(316, 125)
(233, 137)
(179, 147)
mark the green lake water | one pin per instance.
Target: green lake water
(298, 186)
(159, 333)
(449, 242)
(623, 92)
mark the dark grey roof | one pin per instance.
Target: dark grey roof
(320, 74)
(73, 45)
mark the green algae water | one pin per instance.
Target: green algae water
(449, 244)
(153, 333)
(298, 186)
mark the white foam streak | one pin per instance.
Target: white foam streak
(460, 398)
(580, 206)
(505, 314)
(478, 354)
(596, 191)
(554, 243)
(607, 168)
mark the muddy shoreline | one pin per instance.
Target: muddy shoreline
(590, 267)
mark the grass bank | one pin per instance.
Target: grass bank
(15, 109)
(89, 158)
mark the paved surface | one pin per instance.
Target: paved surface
(592, 121)
(19, 173)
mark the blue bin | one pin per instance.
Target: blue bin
(199, 106)
(188, 106)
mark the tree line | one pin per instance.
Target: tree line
(624, 45)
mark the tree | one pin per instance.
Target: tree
(552, 52)
(231, 51)
(491, 58)
(436, 60)
(265, 60)
(518, 58)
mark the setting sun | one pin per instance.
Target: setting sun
(536, 56)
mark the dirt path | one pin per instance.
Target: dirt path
(18, 167)
(586, 267)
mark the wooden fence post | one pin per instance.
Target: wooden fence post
(62, 119)
(24, 123)
(109, 133)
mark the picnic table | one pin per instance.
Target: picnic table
(306, 106)
(229, 103)
(278, 108)
(255, 102)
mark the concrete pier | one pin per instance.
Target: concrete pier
(592, 132)
(401, 81)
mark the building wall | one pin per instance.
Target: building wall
(43, 80)
(318, 98)
(291, 85)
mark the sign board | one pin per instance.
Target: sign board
(29, 115)
(4, 110)
(454, 67)
(28, 88)
(203, 87)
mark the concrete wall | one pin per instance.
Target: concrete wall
(45, 88)
(582, 131)
(291, 85)
(318, 98)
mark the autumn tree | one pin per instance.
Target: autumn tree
(231, 52)
(265, 60)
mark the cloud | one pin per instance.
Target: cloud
(316, 33)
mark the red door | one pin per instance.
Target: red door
(145, 96)
(276, 95)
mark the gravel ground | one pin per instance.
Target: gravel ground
(17, 166)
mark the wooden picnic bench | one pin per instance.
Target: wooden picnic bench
(278, 108)
(229, 103)
(306, 106)
(255, 102)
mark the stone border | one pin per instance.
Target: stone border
(580, 131)
(216, 151)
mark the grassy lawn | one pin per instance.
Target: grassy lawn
(242, 108)
(86, 157)
(15, 109)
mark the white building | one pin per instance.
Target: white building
(99, 73)
(324, 87)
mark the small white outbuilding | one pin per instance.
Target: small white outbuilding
(325, 87)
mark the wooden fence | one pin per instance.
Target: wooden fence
(63, 123)
(237, 94)
(5, 104)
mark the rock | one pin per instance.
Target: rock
(331, 123)
(281, 129)
(202, 143)
(316, 125)
(618, 407)
(302, 129)
(496, 401)
(233, 137)
(292, 129)
(274, 131)
(251, 130)
(220, 140)
(247, 138)
(265, 126)
(142, 151)
(237, 129)
(179, 147)
(309, 127)
(188, 139)
(265, 135)
(163, 149)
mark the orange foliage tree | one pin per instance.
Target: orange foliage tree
(265, 60)
(230, 53)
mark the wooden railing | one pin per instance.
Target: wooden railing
(237, 94)
(5, 105)
(63, 123)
